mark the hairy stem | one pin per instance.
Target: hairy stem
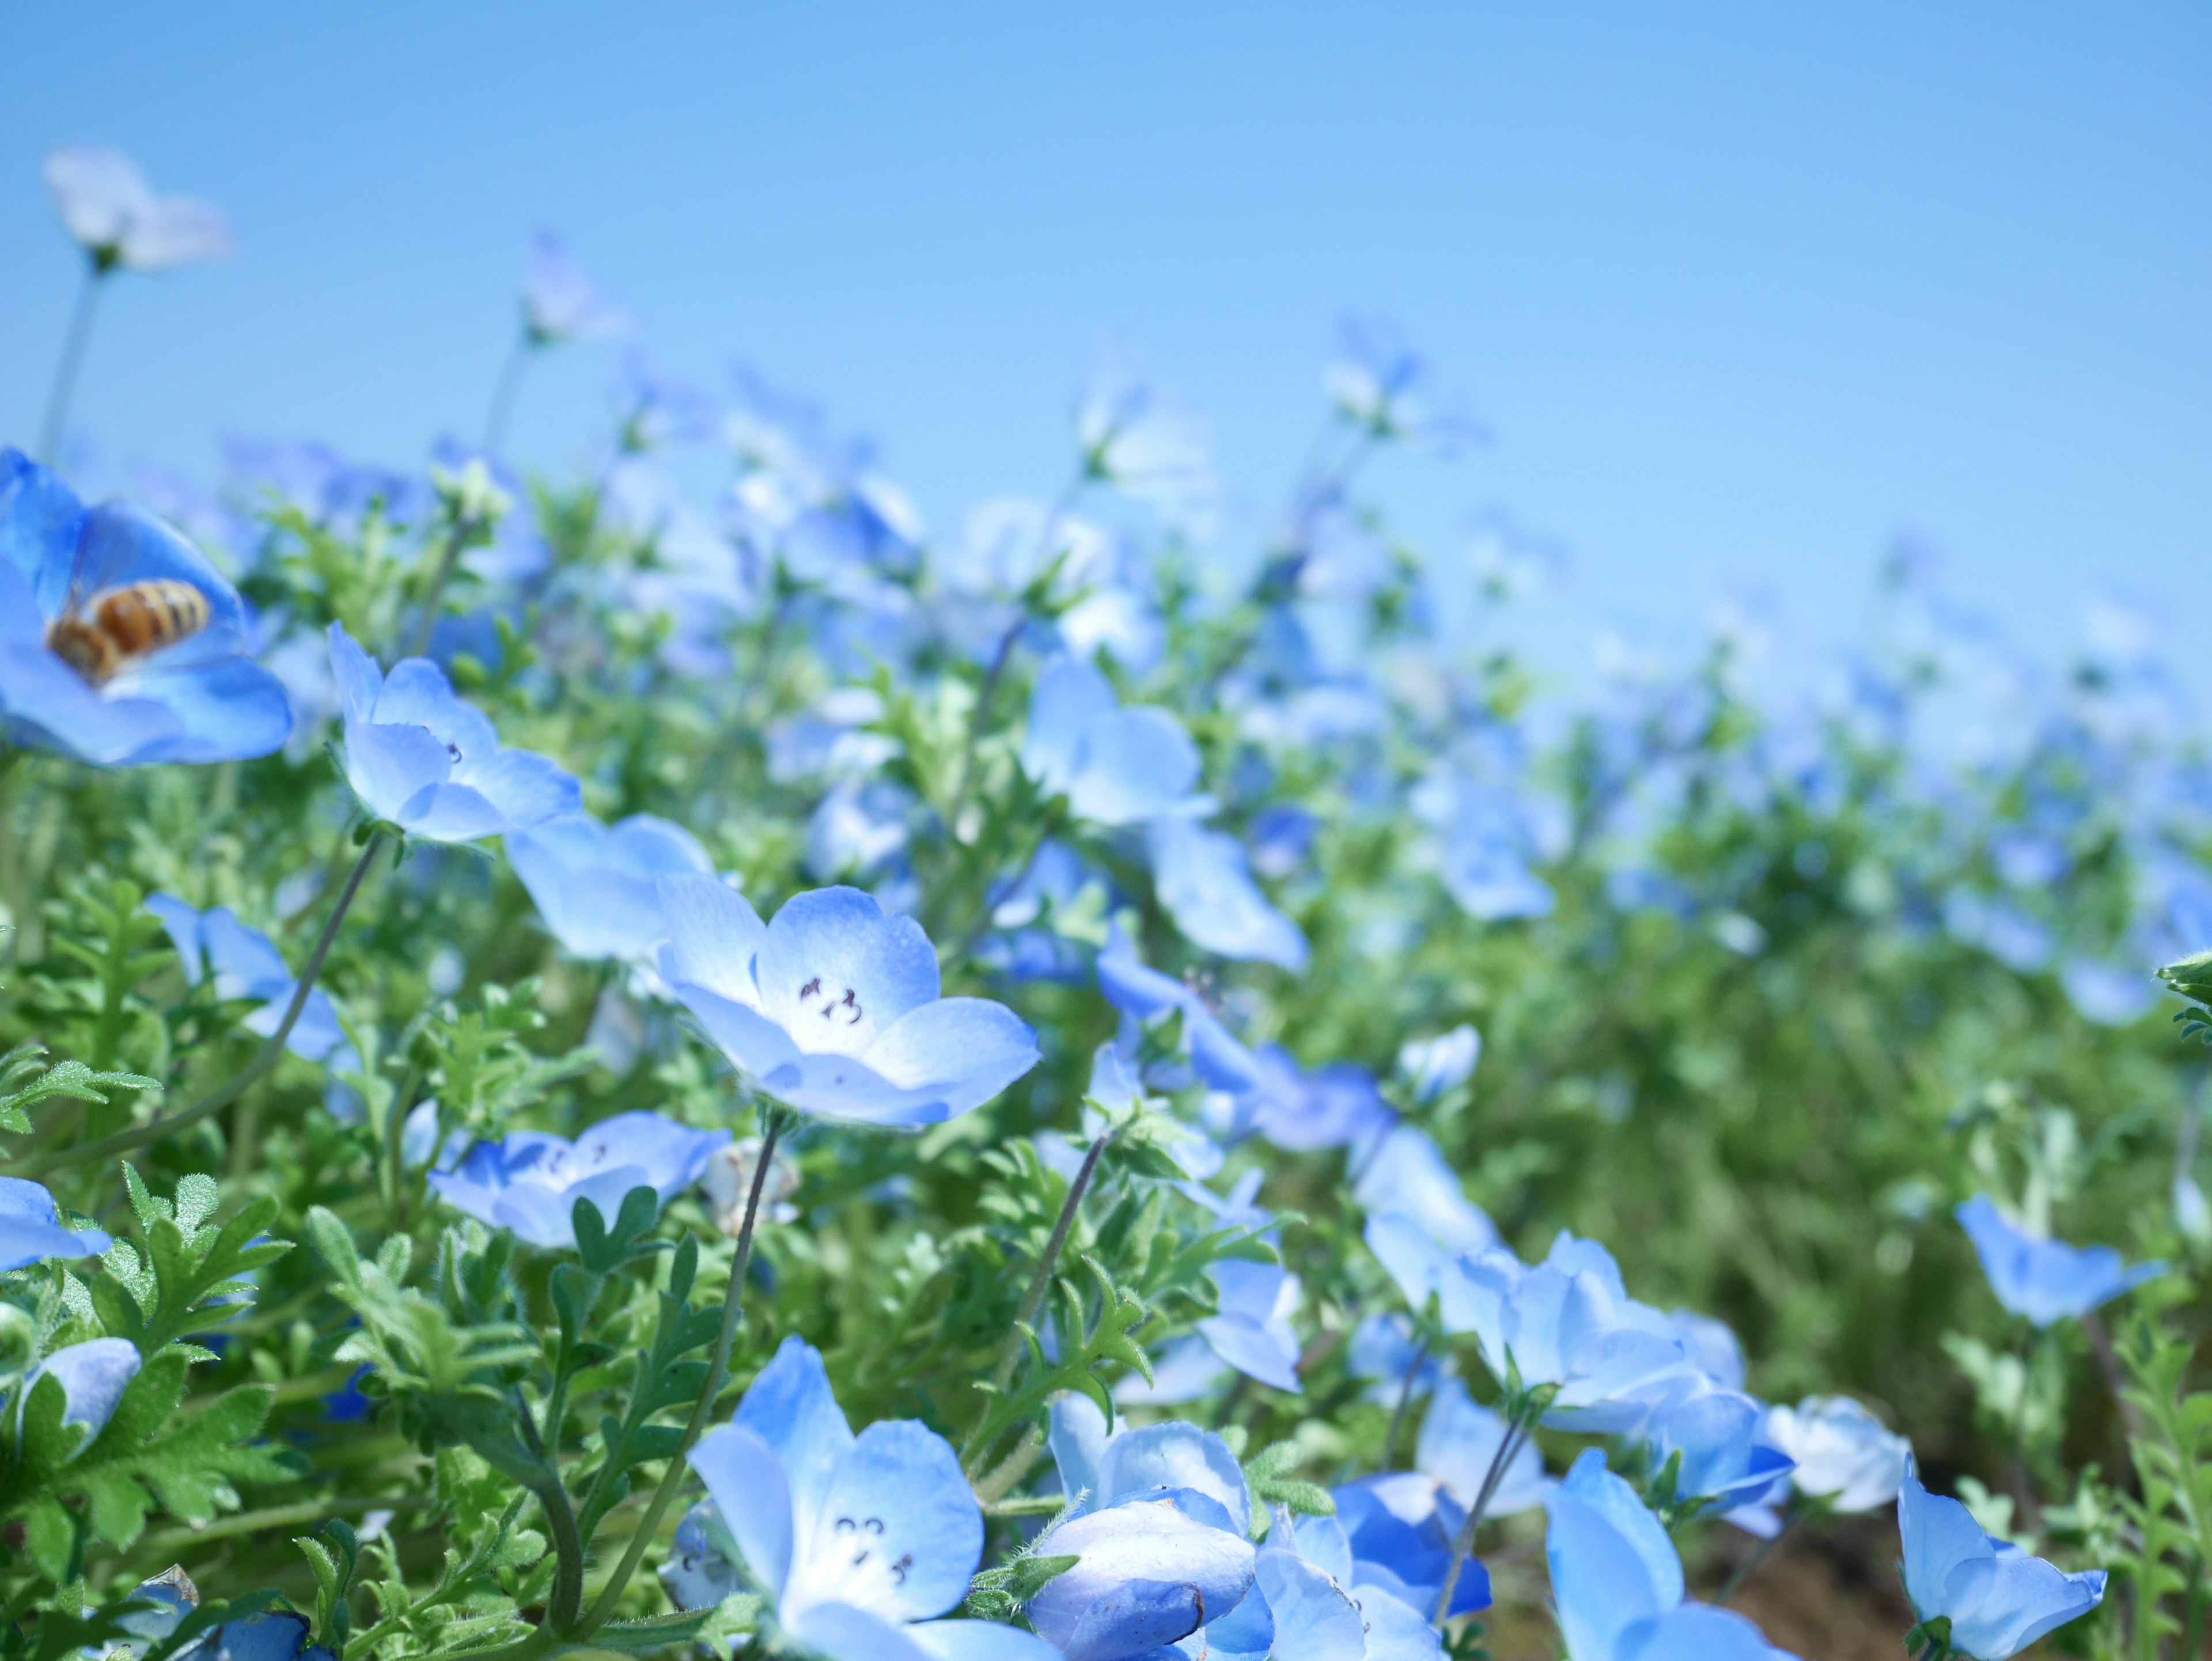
(773, 1124)
(156, 1129)
(65, 372)
(1516, 1431)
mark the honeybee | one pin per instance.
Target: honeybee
(97, 637)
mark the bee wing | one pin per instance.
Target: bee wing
(124, 544)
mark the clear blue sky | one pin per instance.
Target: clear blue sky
(1740, 288)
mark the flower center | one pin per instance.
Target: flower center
(863, 1535)
(833, 1006)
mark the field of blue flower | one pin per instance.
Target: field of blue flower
(662, 1060)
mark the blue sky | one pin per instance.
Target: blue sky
(1743, 290)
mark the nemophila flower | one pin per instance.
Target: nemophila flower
(597, 886)
(273, 1635)
(1145, 444)
(1378, 382)
(1333, 1106)
(1459, 1442)
(1249, 1332)
(857, 1541)
(833, 1006)
(1383, 1349)
(1715, 1440)
(31, 1231)
(1617, 1585)
(530, 1180)
(1161, 1534)
(2045, 1280)
(1712, 1347)
(1843, 1453)
(170, 1596)
(560, 301)
(246, 964)
(1116, 766)
(1400, 1526)
(1430, 1066)
(1147, 997)
(1997, 1599)
(1204, 880)
(1565, 1323)
(1419, 1220)
(111, 211)
(93, 1376)
(422, 759)
(120, 644)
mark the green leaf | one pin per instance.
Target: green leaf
(27, 1080)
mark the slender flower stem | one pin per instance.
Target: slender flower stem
(1743, 1570)
(464, 526)
(502, 393)
(1405, 1400)
(65, 372)
(1516, 1431)
(773, 1124)
(156, 1129)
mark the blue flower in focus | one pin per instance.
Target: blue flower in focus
(833, 1006)
(109, 210)
(275, 1635)
(1997, 1598)
(1145, 996)
(422, 759)
(597, 886)
(1400, 1526)
(1203, 879)
(64, 570)
(1719, 1438)
(1162, 1536)
(560, 301)
(1249, 1332)
(2045, 1279)
(1432, 1067)
(1333, 1106)
(1116, 766)
(1617, 1584)
(246, 964)
(530, 1181)
(31, 1232)
(93, 1377)
(1712, 1345)
(1322, 1612)
(858, 1541)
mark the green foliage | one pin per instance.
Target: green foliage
(192, 1273)
(26, 1079)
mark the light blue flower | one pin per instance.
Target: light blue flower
(1161, 1530)
(1420, 1219)
(1378, 382)
(560, 301)
(1617, 1584)
(857, 1541)
(1204, 880)
(31, 1232)
(833, 1006)
(1146, 445)
(202, 699)
(1843, 1453)
(1717, 1436)
(273, 1635)
(93, 1376)
(1712, 1345)
(2045, 1279)
(1141, 993)
(1250, 1332)
(1383, 1349)
(109, 210)
(1997, 1598)
(1459, 1441)
(1333, 1106)
(1400, 1526)
(2108, 992)
(1116, 766)
(530, 1180)
(1323, 1612)
(1430, 1066)
(597, 886)
(246, 964)
(422, 759)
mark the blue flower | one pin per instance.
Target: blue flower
(276, 1635)
(1430, 1066)
(1419, 1220)
(1323, 1611)
(1719, 1436)
(31, 1232)
(419, 759)
(858, 1541)
(246, 965)
(1203, 879)
(1458, 1440)
(172, 1596)
(560, 301)
(1161, 1534)
(1617, 1583)
(1843, 1453)
(530, 1181)
(108, 207)
(1382, 1349)
(201, 699)
(1712, 1345)
(1400, 1526)
(93, 1376)
(1145, 444)
(1997, 1598)
(1116, 766)
(2045, 1279)
(1378, 382)
(833, 1006)
(1250, 1331)
(1333, 1106)
(597, 887)
(1145, 995)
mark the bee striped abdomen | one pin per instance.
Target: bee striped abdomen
(126, 623)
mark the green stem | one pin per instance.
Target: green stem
(154, 1130)
(772, 1124)
(65, 373)
(502, 393)
(1405, 1400)
(1517, 1427)
(1743, 1570)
